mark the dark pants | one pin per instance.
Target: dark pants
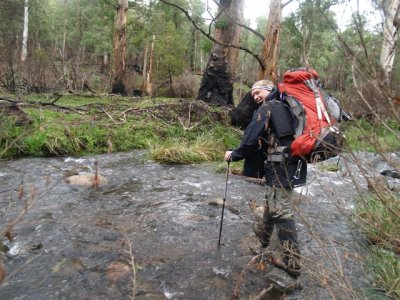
(278, 213)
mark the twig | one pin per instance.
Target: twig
(123, 120)
(57, 98)
(18, 101)
(187, 128)
(132, 261)
(131, 109)
(190, 110)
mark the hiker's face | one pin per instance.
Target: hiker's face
(259, 95)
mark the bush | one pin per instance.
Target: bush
(186, 86)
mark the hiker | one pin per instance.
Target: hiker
(272, 130)
(254, 164)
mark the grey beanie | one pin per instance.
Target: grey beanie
(263, 85)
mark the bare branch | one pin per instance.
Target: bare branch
(358, 24)
(286, 3)
(244, 26)
(47, 104)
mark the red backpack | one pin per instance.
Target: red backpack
(318, 116)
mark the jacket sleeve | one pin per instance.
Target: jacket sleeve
(250, 140)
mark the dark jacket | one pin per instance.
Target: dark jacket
(272, 120)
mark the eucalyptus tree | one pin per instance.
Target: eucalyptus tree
(169, 50)
(24, 48)
(141, 43)
(11, 16)
(391, 11)
(166, 38)
(172, 41)
(270, 48)
(315, 21)
(195, 39)
(248, 65)
(310, 36)
(118, 82)
(97, 31)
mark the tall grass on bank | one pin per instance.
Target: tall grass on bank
(363, 135)
(379, 217)
(121, 126)
(384, 267)
(207, 147)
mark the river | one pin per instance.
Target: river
(80, 242)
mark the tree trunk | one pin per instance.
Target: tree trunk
(65, 70)
(390, 29)
(147, 86)
(118, 85)
(217, 84)
(145, 58)
(24, 49)
(270, 50)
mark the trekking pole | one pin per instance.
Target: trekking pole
(223, 205)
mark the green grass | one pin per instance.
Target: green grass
(207, 146)
(384, 267)
(362, 135)
(150, 124)
(379, 219)
(329, 166)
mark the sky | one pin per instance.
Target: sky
(256, 8)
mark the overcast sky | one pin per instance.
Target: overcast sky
(256, 8)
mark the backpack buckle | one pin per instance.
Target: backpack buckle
(334, 129)
(298, 170)
(279, 155)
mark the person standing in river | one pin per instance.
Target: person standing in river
(272, 130)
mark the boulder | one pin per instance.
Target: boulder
(87, 179)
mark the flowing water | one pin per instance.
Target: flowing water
(79, 242)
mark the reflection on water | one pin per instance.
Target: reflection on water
(73, 243)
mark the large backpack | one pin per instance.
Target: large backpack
(318, 116)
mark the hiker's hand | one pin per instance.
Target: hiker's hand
(228, 156)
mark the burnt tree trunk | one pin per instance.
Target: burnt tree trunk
(118, 85)
(242, 114)
(217, 84)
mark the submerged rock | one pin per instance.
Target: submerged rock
(88, 179)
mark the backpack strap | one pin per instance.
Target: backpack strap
(321, 109)
(282, 89)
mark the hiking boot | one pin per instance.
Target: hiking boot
(291, 266)
(263, 234)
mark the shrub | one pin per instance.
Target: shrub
(186, 86)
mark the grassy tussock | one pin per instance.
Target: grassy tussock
(379, 219)
(384, 266)
(203, 149)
